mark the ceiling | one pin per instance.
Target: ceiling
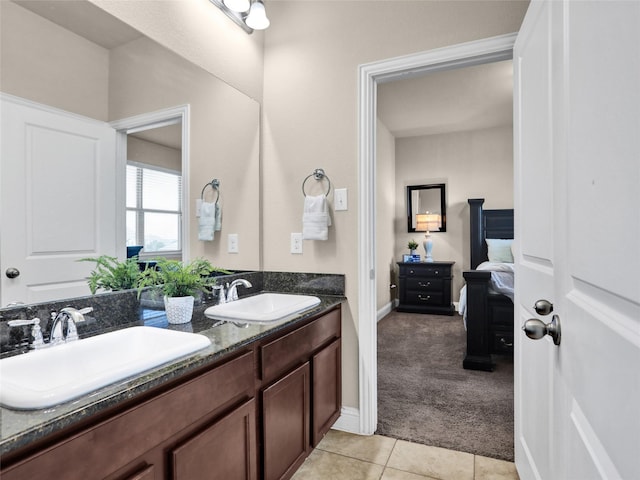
(457, 100)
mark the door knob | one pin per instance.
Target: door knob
(12, 272)
(536, 329)
(543, 307)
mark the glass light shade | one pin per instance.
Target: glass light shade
(237, 5)
(257, 18)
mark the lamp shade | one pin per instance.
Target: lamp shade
(257, 18)
(237, 5)
(426, 222)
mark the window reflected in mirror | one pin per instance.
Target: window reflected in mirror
(428, 200)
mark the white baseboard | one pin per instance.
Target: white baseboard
(348, 421)
(386, 310)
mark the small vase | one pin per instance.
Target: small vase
(178, 309)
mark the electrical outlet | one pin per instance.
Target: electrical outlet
(232, 243)
(340, 199)
(296, 243)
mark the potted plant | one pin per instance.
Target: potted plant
(412, 245)
(111, 274)
(178, 282)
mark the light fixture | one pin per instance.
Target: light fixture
(425, 222)
(250, 15)
(257, 18)
(237, 5)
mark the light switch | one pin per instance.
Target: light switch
(296, 243)
(232, 243)
(340, 199)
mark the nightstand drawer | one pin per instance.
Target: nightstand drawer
(426, 298)
(423, 270)
(425, 284)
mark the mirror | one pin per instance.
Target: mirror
(426, 199)
(75, 57)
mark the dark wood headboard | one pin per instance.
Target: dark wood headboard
(486, 224)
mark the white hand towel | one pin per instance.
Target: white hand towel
(206, 222)
(218, 223)
(315, 218)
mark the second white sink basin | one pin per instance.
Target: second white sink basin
(54, 375)
(263, 308)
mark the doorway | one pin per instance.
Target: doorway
(370, 75)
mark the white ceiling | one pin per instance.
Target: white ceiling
(449, 101)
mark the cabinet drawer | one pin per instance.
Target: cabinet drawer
(427, 298)
(426, 271)
(282, 354)
(135, 431)
(425, 284)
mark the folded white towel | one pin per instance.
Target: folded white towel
(207, 221)
(218, 223)
(315, 218)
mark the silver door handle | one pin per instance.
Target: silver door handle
(543, 307)
(536, 329)
(12, 272)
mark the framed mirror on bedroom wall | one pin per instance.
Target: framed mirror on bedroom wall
(427, 203)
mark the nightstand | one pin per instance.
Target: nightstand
(426, 287)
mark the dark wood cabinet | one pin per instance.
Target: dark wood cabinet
(253, 414)
(286, 418)
(227, 449)
(425, 287)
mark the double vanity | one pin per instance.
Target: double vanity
(251, 400)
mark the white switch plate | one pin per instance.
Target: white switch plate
(296, 243)
(340, 199)
(232, 243)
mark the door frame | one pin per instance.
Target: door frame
(140, 123)
(493, 49)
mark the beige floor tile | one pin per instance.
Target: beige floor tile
(321, 465)
(492, 469)
(393, 474)
(370, 448)
(431, 461)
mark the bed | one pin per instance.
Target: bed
(487, 297)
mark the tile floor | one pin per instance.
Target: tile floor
(344, 456)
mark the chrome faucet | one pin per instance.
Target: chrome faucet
(64, 324)
(36, 331)
(232, 291)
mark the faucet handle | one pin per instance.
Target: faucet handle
(36, 331)
(222, 298)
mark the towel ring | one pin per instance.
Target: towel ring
(215, 184)
(318, 174)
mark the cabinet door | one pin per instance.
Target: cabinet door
(225, 450)
(326, 391)
(285, 413)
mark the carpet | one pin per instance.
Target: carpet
(425, 396)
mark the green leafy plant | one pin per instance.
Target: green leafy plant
(111, 274)
(175, 279)
(412, 245)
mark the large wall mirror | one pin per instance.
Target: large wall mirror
(426, 208)
(75, 57)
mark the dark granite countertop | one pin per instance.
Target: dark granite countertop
(20, 427)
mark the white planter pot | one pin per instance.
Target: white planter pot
(178, 309)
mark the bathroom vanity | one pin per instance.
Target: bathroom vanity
(252, 405)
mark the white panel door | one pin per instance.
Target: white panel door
(577, 205)
(58, 197)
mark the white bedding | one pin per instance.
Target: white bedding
(502, 276)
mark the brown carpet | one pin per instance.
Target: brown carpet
(425, 396)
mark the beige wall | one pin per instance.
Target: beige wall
(143, 151)
(48, 64)
(385, 217)
(201, 33)
(475, 164)
(310, 116)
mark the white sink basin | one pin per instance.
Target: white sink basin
(54, 375)
(262, 308)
